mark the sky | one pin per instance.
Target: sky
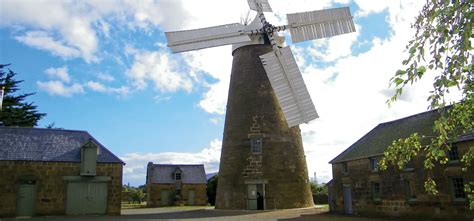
(103, 66)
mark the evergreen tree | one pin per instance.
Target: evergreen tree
(15, 110)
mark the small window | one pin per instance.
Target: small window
(177, 176)
(458, 188)
(375, 191)
(374, 164)
(409, 166)
(345, 170)
(453, 154)
(256, 145)
(409, 191)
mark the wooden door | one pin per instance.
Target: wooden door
(165, 197)
(26, 200)
(251, 196)
(86, 198)
(191, 197)
(347, 194)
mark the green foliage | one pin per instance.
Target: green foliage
(444, 30)
(318, 188)
(15, 110)
(211, 190)
(135, 194)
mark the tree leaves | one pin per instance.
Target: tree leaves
(445, 28)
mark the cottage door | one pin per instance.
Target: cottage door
(26, 200)
(347, 194)
(251, 196)
(191, 197)
(165, 197)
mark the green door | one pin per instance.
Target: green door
(26, 199)
(86, 198)
(165, 197)
(191, 197)
(252, 196)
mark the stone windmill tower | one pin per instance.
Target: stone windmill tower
(263, 165)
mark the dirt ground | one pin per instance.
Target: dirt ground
(199, 213)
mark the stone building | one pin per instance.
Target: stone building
(52, 172)
(358, 187)
(260, 154)
(175, 184)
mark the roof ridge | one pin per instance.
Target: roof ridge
(417, 114)
(40, 128)
(165, 164)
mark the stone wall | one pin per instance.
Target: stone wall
(393, 199)
(253, 112)
(154, 194)
(51, 188)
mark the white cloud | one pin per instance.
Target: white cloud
(58, 88)
(41, 40)
(63, 28)
(135, 168)
(368, 6)
(331, 49)
(105, 77)
(159, 68)
(161, 98)
(99, 87)
(60, 73)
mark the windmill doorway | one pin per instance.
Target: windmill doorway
(256, 196)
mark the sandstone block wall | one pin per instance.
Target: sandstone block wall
(51, 188)
(154, 194)
(394, 200)
(253, 112)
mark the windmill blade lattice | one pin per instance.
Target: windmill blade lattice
(280, 65)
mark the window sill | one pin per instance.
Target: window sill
(411, 201)
(454, 162)
(460, 201)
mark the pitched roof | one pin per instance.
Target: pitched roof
(163, 173)
(378, 139)
(41, 144)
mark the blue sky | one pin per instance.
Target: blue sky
(103, 66)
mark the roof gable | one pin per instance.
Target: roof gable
(41, 144)
(378, 139)
(163, 173)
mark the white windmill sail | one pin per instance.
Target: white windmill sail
(263, 3)
(289, 87)
(280, 65)
(320, 24)
(188, 40)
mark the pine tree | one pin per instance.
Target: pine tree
(15, 110)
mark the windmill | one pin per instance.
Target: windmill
(262, 153)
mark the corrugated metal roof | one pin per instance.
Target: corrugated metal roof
(163, 173)
(378, 139)
(41, 144)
